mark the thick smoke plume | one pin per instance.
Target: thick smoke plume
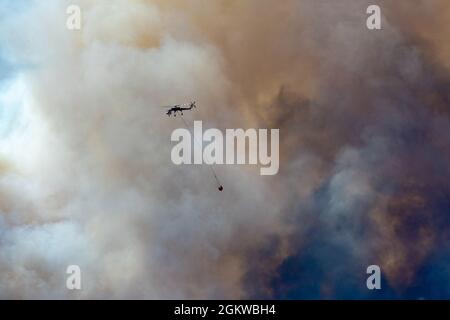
(85, 170)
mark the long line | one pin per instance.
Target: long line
(201, 147)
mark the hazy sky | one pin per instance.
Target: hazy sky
(85, 170)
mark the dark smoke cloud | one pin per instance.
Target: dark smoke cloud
(380, 120)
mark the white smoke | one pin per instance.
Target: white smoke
(90, 179)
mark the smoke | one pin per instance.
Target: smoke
(86, 176)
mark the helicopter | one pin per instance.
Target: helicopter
(180, 108)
